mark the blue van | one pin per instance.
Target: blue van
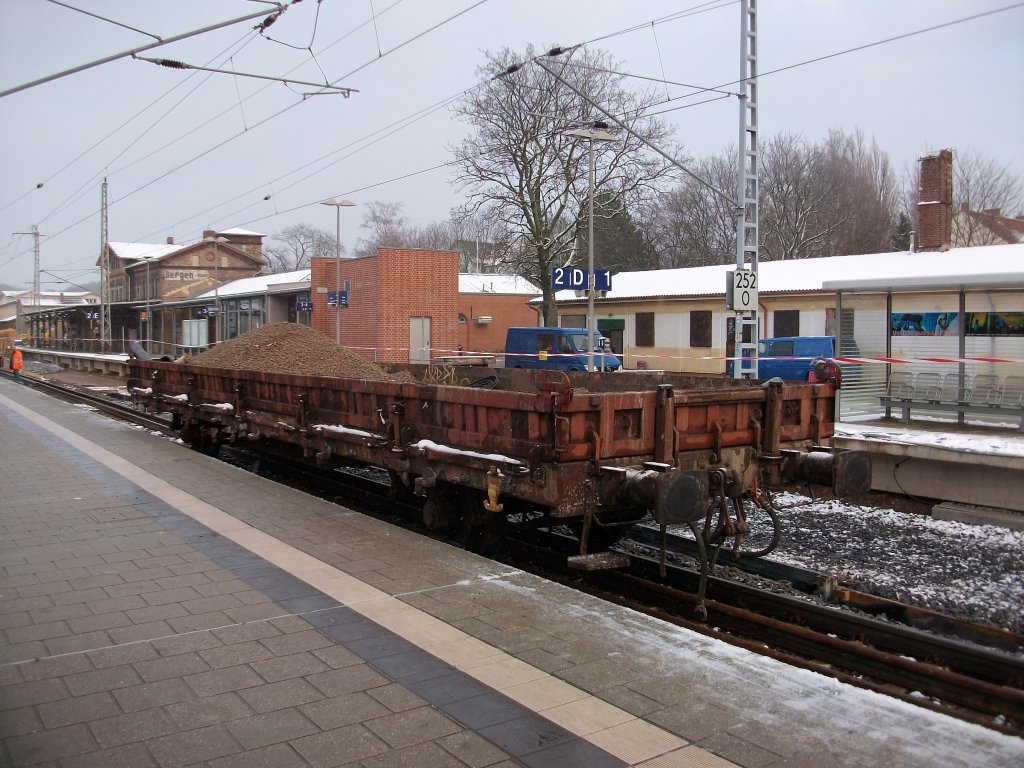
(793, 358)
(560, 349)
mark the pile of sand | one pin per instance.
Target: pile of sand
(290, 348)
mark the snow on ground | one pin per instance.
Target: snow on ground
(992, 443)
(973, 571)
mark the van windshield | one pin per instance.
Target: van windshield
(574, 342)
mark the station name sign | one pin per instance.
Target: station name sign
(185, 274)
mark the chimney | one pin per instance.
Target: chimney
(935, 206)
(170, 240)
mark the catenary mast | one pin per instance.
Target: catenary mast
(745, 328)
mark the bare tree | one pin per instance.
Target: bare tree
(866, 194)
(386, 227)
(531, 180)
(983, 185)
(796, 200)
(690, 226)
(837, 197)
(296, 247)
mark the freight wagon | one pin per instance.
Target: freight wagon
(595, 452)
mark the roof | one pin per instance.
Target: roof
(140, 251)
(251, 286)
(241, 232)
(981, 266)
(1007, 229)
(505, 284)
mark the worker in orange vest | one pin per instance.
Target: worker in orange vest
(16, 363)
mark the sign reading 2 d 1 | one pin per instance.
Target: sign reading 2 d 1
(741, 293)
(576, 279)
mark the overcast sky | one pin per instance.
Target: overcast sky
(185, 151)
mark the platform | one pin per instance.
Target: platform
(161, 608)
(969, 464)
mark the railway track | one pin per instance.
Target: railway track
(971, 671)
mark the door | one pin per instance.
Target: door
(419, 339)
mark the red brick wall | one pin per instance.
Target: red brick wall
(935, 204)
(505, 311)
(417, 283)
(387, 290)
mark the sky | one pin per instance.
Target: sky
(184, 151)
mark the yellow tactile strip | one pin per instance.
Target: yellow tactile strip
(619, 733)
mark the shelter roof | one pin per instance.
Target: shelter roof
(980, 265)
(254, 286)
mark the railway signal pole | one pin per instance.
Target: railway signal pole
(744, 279)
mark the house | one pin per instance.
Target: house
(144, 276)
(988, 227)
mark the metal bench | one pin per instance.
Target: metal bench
(982, 395)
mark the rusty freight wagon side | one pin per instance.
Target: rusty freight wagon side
(594, 451)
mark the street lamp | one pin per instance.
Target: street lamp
(338, 205)
(217, 326)
(149, 318)
(596, 132)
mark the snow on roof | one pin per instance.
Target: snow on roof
(139, 251)
(241, 232)
(487, 283)
(250, 286)
(811, 274)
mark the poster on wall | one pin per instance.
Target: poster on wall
(995, 323)
(925, 324)
(948, 324)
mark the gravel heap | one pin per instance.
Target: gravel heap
(290, 348)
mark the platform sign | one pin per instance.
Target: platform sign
(577, 279)
(334, 296)
(602, 280)
(741, 290)
(569, 279)
(303, 306)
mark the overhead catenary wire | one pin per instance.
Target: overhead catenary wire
(707, 7)
(267, 119)
(173, 64)
(104, 18)
(376, 136)
(82, 189)
(126, 54)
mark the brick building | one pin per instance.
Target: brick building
(403, 303)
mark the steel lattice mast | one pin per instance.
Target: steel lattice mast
(746, 330)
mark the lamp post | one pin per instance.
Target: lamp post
(217, 326)
(596, 132)
(149, 321)
(338, 205)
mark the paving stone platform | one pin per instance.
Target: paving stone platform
(161, 608)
